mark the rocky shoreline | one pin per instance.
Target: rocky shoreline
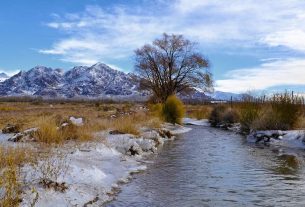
(288, 138)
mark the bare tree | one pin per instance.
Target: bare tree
(172, 65)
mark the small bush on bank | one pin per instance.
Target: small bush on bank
(230, 116)
(173, 110)
(280, 112)
(216, 115)
(249, 112)
(266, 120)
(221, 114)
(287, 110)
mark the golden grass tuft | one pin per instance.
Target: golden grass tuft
(50, 131)
(11, 161)
(173, 110)
(47, 131)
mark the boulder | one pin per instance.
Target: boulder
(266, 136)
(10, 128)
(134, 150)
(77, 121)
(165, 133)
(16, 138)
(56, 186)
(26, 135)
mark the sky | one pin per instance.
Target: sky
(251, 44)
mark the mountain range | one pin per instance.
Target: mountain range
(96, 81)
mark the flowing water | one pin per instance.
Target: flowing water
(212, 167)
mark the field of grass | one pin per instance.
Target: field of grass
(48, 118)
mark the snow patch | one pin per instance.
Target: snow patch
(77, 121)
(291, 139)
(190, 121)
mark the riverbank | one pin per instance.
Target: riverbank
(286, 138)
(209, 166)
(89, 173)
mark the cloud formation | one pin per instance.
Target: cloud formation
(270, 74)
(107, 35)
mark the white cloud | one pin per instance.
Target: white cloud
(294, 39)
(275, 73)
(101, 34)
(108, 34)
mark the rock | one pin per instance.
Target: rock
(158, 141)
(77, 121)
(16, 138)
(134, 150)
(61, 187)
(146, 145)
(115, 132)
(10, 128)
(27, 135)
(64, 125)
(30, 131)
(90, 203)
(165, 133)
(266, 136)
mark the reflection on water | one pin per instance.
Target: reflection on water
(211, 167)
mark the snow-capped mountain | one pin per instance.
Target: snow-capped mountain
(225, 96)
(99, 80)
(3, 77)
(96, 81)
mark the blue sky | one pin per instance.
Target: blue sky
(251, 44)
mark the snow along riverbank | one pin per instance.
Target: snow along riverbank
(89, 174)
(290, 138)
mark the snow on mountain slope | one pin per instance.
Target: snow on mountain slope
(96, 81)
(225, 96)
(3, 77)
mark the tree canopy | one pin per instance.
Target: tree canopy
(171, 65)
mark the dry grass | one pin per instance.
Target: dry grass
(11, 161)
(97, 116)
(199, 111)
(130, 124)
(48, 119)
(50, 131)
(26, 114)
(281, 111)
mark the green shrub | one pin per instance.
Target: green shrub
(173, 110)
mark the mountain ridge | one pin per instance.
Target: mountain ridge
(80, 81)
(96, 81)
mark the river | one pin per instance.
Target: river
(213, 167)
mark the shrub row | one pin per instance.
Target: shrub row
(280, 112)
